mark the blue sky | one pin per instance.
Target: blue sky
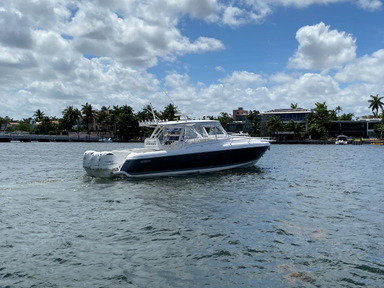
(210, 56)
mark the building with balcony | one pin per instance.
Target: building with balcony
(298, 115)
(362, 128)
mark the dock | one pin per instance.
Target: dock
(330, 142)
(45, 138)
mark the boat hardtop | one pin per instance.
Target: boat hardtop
(170, 135)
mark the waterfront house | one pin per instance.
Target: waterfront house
(298, 115)
(240, 122)
(362, 128)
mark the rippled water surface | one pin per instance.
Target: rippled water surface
(305, 216)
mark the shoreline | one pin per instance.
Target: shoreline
(65, 138)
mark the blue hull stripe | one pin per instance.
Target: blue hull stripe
(205, 160)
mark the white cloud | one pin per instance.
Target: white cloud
(370, 5)
(367, 68)
(42, 45)
(176, 80)
(133, 40)
(41, 14)
(14, 30)
(322, 48)
(239, 77)
(282, 77)
(201, 9)
(255, 11)
(43, 42)
(307, 90)
(93, 81)
(234, 16)
(15, 58)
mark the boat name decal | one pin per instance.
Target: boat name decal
(148, 142)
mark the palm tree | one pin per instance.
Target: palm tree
(39, 115)
(255, 118)
(224, 119)
(88, 114)
(319, 121)
(169, 112)
(4, 121)
(294, 127)
(293, 106)
(376, 103)
(70, 117)
(275, 124)
(102, 116)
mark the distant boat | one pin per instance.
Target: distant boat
(341, 140)
(105, 140)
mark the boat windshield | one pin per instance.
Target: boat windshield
(168, 135)
(188, 133)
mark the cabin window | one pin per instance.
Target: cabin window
(170, 135)
(215, 131)
(201, 131)
(190, 133)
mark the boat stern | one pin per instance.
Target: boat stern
(103, 164)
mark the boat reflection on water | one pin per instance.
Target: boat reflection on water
(177, 148)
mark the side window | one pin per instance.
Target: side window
(190, 133)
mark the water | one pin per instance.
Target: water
(305, 216)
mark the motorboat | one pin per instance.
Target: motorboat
(108, 140)
(341, 140)
(178, 147)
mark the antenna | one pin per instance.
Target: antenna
(155, 118)
(165, 92)
(152, 111)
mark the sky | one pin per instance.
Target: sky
(206, 56)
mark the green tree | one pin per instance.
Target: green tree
(293, 106)
(333, 115)
(127, 123)
(275, 124)
(38, 115)
(146, 115)
(23, 126)
(255, 118)
(319, 121)
(101, 117)
(46, 126)
(346, 117)
(4, 122)
(375, 104)
(317, 131)
(88, 114)
(294, 127)
(169, 113)
(70, 117)
(378, 129)
(224, 118)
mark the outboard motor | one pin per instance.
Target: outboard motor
(87, 161)
(94, 164)
(107, 162)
